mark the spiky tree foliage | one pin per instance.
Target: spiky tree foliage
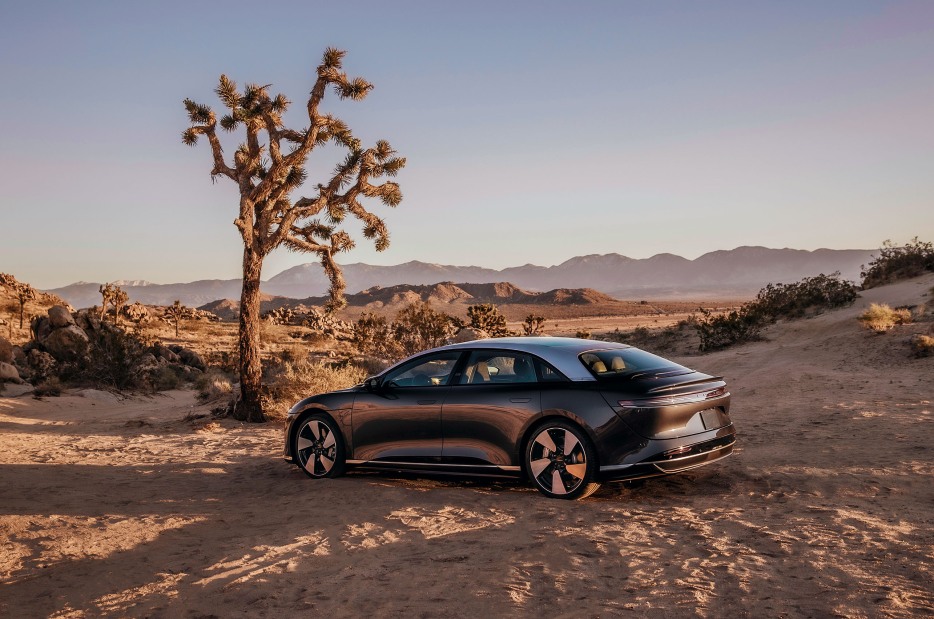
(268, 167)
(175, 313)
(486, 317)
(24, 293)
(111, 294)
(533, 325)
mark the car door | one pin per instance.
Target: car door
(487, 407)
(400, 420)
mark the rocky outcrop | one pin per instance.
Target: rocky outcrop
(136, 312)
(311, 318)
(469, 334)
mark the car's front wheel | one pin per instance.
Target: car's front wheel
(561, 461)
(319, 447)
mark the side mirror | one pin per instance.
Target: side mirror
(371, 384)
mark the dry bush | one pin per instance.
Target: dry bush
(52, 387)
(896, 263)
(922, 345)
(775, 301)
(880, 317)
(213, 385)
(297, 377)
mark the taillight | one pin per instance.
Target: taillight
(686, 398)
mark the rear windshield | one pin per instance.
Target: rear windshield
(626, 362)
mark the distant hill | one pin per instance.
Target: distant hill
(726, 273)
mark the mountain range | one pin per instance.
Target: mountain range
(725, 273)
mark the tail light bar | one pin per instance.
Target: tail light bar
(685, 398)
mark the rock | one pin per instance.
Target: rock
(192, 359)
(148, 361)
(136, 312)
(469, 334)
(66, 344)
(88, 320)
(164, 352)
(9, 373)
(60, 317)
(41, 327)
(6, 350)
(16, 390)
(98, 395)
(19, 356)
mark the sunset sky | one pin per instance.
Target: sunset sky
(534, 131)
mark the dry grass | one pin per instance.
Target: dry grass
(922, 345)
(881, 318)
(297, 377)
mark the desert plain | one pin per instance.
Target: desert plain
(147, 506)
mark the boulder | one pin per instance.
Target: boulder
(136, 312)
(6, 350)
(8, 373)
(60, 317)
(41, 327)
(163, 352)
(66, 344)
(88, 320)
(190, 357)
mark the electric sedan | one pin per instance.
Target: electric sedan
(566, 413)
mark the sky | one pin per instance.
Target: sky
(533, 131)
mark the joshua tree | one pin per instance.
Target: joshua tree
(175, 312)
(24, 293)
(112, 294)
(487, 318)
(533, 324)
(268, 173)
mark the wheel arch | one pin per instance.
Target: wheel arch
(547, 418)
(317, 409)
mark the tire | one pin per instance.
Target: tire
(561, 461)
(319, 447)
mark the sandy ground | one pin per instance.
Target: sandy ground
(126, 508)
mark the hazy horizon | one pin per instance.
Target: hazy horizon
(534, 132)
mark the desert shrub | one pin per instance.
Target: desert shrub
(109, 361)
(372, 336)
(166, 378)
(415, 328)
(718, 331)
(51, 387)
(895, 263)
(486, 317)
(213, 385)
(297, 377)
(583, 334)
(811, 293)
(922, 345)
(774, 302)
(880, 317)
(419, 327)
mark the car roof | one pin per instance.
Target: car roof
(561, 352)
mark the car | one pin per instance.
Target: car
(566, 413)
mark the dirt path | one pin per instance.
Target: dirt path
(122, 508)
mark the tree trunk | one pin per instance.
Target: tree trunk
(249, 407)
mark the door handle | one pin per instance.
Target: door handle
(520, 400)
(426, 402)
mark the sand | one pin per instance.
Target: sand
(148, 507)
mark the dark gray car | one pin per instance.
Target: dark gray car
(566, 413)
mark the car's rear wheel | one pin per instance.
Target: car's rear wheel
(319, 447)
(561, 461)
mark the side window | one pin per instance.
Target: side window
(433, 371)
(486, 367)
(548, 373)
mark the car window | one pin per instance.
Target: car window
(625, 361)
(548, 374)
(486, 367)
(432, 371)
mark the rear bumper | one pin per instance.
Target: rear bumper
(665, 458)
